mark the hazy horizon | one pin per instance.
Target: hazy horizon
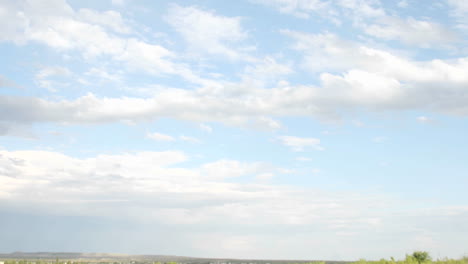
(95, 256)
(265, 129)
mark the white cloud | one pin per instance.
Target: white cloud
(305, 159)
(107, 19)
(55, 24)
(380, 81)
(104, 74)
(460, 6)
(402, 4)
(159, 137)
(300, 143)
(44, 78)
(207, 32)
(200, 192)
(334, 11)
(421, 33)
(52, 71)
(375, 75)
(459, 12)
(298, 8)
(197, 106)
(371, 17)
(265, 71)
(361, 88)
(327, 51)
(164, 137)
(360, 9)
(264, 122)
(232, 168)
(151, 174)
(370, 79)
(153, 188)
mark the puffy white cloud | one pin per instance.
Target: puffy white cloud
(208, 32)
(361, 88)
(45, 178)
(352, 77)
(300, 143)
(108, 19)
(198, 105)
(380, 81)
(17, 17)
(55, 24)
(375, 75)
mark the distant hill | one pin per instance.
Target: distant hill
(110, 257)
(89, 256)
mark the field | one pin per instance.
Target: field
(80, 258)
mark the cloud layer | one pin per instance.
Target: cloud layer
(152, 187)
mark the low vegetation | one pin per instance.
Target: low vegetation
(418, 257)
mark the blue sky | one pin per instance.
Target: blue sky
(289, 129)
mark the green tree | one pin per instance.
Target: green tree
(421, 256)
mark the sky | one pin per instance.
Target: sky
(278, 129)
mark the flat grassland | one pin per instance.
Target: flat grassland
(105, 258)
